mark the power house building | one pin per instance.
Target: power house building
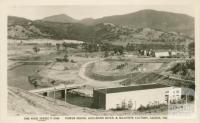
(132, 97)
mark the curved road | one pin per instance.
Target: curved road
(91, 81)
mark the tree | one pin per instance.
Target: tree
(170, 53)
(33, 81)
(65, 45)
(36, 49)
(106, 54)
(57, 46)
(66, 58)
(119, 49)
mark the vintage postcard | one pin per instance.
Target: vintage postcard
(100, 61)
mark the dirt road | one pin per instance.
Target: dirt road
(97, 83)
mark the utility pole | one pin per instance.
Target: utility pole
(99, 55)
(186, 98)
(135, 106)
(65, 94)
(54, 94)
(54, 91)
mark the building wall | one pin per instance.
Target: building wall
(99, 100)
(187, 91)
(137, 98)
(176, 93)
(159, 54)
(59, 94)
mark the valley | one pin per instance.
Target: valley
(108, 52)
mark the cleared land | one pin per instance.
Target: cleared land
(85, 69)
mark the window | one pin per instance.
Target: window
(130, 104)
(166, 98)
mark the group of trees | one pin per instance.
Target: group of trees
(134, 47)
(185, 69)
(121, 66)
(65, 45)
(74, 31)
(191, 48)
(90, 47)
(36, 49)
(64, 59)
(94, 47)
(156, 106)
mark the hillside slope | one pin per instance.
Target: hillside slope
(147, 18)
(62, 18)
(21, 102)
(19, 28)
(153, 19)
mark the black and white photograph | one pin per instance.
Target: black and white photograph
(101, 60)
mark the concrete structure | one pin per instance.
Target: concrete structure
(57, 92)
(160, 54)
(179, 93)
(164, 54)
(131, 97)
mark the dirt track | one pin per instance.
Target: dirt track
(94, 82)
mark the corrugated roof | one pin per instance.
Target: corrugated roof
(131, 88)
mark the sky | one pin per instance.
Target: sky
(91, 11)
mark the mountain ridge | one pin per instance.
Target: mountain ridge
(106, 29)
(62, 18)
(147, 18)
(153, 19)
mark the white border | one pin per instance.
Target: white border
(3, 47)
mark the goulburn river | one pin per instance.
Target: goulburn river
(18, 77)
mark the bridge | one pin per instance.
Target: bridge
(57, 92)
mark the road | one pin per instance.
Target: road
(90, 81)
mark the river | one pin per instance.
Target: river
(18, 77)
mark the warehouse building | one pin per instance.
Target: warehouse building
(131, 97)
(164, 54)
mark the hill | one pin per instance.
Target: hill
(166, 21)
(20, 28)
(87, 21)
(147, 18)
(13, 20)
(62, 18)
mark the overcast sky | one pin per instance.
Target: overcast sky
(91, 11)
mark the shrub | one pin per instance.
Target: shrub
(72, 61)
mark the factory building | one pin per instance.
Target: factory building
(131, 97)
